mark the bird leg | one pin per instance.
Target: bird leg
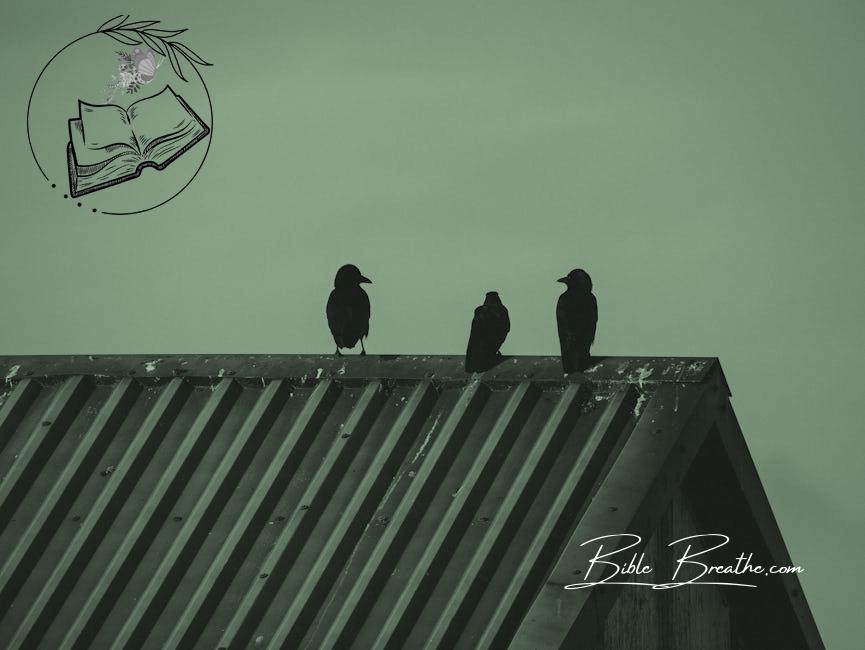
(338, 353)
(362, 349)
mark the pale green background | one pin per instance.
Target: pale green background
(704, 160)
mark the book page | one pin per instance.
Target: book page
(163, 149)
(117, 168)
(87, 156)
(98, 167)
(158, 117)
(105, 125)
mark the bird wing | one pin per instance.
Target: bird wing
(363, 313)
(477, 351)
(502, 327)
(338, 315)
(592, 318)
(479, 330)
(348, 316)
(565, 323)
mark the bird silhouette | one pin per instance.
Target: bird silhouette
(490, 327)
(348, 308)
(577, 319)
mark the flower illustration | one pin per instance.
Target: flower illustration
(134, 70)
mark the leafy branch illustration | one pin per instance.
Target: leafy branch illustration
(145, 32)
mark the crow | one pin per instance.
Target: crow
(490, 327)
(577, 318)
(348, 308)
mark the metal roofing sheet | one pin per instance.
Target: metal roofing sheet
(304, 501)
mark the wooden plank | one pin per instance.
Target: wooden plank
(150, 601)
(497, 528)
(186, 630)
(426, 474)
(35, 621)
(695, 617)
(632, 498)
(391, 367)
(745, 471)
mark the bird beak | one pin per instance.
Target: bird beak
(563, 280)
(365, 280)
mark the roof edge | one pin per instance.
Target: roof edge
(637, 370)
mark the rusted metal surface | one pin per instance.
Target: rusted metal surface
(318, 502)
(389, 367)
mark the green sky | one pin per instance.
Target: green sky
(703, 160)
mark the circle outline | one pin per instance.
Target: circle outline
(173, 196)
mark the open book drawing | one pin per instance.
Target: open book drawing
(109, 145)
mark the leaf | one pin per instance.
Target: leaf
(127, 31)
(153, 43)
(175, 63)
(164, 33)
(189, 54)
(122, 38)
(112, 22)
(139, 25)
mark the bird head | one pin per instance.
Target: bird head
(577, 279)
(492, 298)
(350, 276)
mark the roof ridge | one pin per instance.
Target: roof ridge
(635, 370)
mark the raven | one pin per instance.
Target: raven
(490, 327)
(577, 318)
(348, 308)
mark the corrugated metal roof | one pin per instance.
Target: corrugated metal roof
(321, 502)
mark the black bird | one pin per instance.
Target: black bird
(577, 318)
(348, 308)
(490, 327)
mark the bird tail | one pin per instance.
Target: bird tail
(480, 361)
(584, 361)
(575, 361)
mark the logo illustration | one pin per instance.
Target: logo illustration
(150, 124)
